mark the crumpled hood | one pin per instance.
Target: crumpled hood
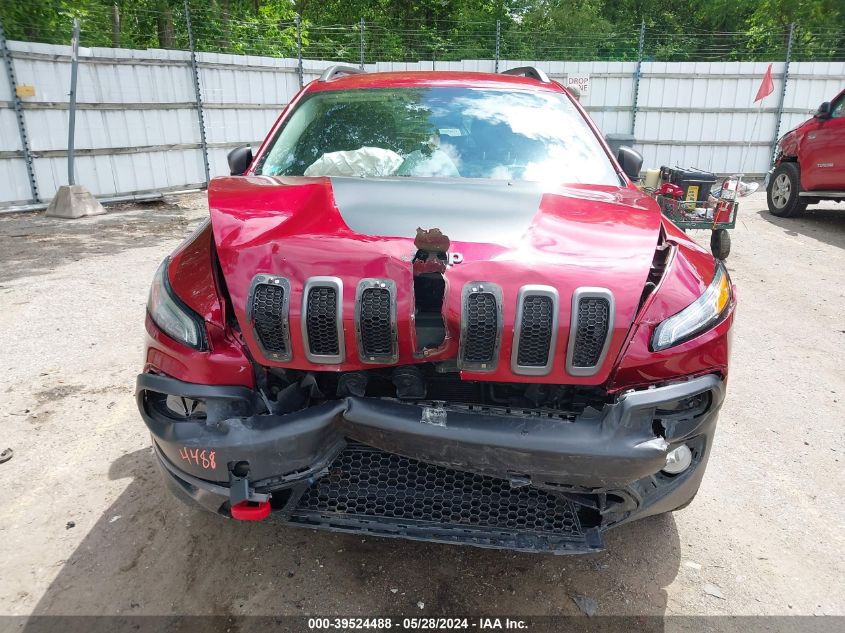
(510, 234)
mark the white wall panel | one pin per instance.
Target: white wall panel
(14, 184)
(693, 114)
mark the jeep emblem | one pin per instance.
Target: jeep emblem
(454, 258)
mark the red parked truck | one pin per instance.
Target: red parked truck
(809, 162)
(434, 306)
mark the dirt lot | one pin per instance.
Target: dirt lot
(87, 528)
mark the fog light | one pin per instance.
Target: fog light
(678, 460)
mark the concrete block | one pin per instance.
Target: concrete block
(74, 201)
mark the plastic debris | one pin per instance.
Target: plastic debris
(713, 590)
(587, 605)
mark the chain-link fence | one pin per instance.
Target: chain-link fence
(409, 40)
(164, 95)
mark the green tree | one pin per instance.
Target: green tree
(447, 29)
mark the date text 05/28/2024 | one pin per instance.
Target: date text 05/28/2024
(407, 624)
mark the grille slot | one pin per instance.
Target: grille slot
(375, 321)
(535, 330)
(322, 325)
(592, 322)
(368, 487)
(592, 331)
(268, 313)
(481, 326)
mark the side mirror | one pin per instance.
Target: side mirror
(824, 111)
(630, 160)
(239, 160)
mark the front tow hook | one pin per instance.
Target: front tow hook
(251, 510)
(245, 504)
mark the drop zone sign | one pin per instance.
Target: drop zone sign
(580, 81)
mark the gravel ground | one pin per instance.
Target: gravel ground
(87, 527)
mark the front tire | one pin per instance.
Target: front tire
(783, 192)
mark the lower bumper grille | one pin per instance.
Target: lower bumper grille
(390, 495)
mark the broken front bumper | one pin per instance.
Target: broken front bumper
(434, 471)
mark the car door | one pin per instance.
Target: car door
(822, 152)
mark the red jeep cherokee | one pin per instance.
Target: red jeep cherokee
(809, 162)
(434, 306)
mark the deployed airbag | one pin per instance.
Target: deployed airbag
(363, 162)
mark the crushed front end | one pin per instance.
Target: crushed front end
(472, 469)
(450, 391)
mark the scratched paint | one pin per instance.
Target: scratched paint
(435, 416)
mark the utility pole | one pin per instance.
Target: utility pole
(71, 128)
(72, 200)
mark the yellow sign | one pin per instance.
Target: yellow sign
(25, 90)
(692, 193)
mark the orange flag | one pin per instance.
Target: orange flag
(767, 87)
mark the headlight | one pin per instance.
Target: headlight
(174, 318)
(697, 317)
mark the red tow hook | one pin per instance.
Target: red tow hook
(251, 510)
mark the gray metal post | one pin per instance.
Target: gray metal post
(498, 43)
(71, 125)
(299, 49)
(197, 93)
(361, 33)
(783, 89)
(16, 101)
(637, 76)
(115, 26)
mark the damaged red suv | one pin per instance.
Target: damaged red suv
(434, 306)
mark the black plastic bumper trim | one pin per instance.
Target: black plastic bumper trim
(597, 449)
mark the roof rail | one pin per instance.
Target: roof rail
(528, 71)
(333, 72)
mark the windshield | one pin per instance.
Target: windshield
(439, 133)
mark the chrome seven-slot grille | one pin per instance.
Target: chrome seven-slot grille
(480, 331)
